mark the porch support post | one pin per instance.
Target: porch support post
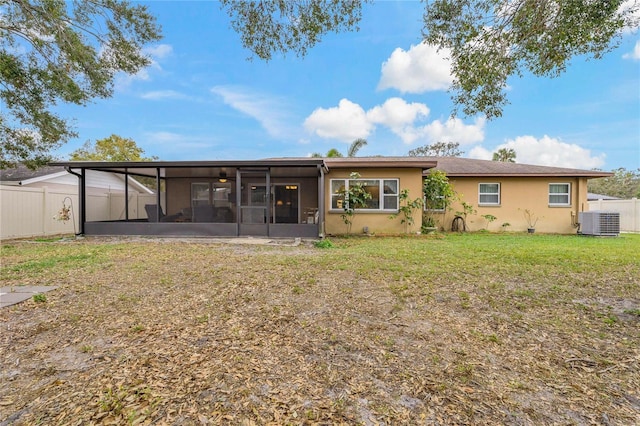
(82, 188)
(268, 190)
(321, 201)
(238, 201)
(158, 197)
(126, 194)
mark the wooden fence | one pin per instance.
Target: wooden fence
(31, 212)
(629, 212)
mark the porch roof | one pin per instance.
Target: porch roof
(185, 168)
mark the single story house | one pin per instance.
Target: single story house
(304, 197)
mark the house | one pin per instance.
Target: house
(593, 197)
(304, 197)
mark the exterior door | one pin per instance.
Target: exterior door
(254, 202)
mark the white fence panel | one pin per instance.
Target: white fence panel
(629, 212)
(29, 212)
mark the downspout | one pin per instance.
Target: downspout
(81, 203)
(574, 214)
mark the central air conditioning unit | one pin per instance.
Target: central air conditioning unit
(604, 224)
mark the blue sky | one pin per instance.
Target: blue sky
(202, 99)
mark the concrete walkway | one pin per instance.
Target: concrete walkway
(19, 293)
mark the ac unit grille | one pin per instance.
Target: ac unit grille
(600, 223)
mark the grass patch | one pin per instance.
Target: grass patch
(473, 328)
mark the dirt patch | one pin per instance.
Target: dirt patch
(181, 332)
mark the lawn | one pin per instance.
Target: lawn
(440, 329)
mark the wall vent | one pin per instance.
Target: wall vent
(606, 224)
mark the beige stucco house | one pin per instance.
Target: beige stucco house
(553, 195)
(304, 197)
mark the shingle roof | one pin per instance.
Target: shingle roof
(368, 162)
(456, 166)
(453, 166)
(22, 172)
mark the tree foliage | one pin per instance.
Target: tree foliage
(355, 146)
(623, 184)
(488, 41)
(438, 149)
(114, 148)
(505, 155)
(491, 40)
(55, 52)
(351, 152)
(355, 196)
(437, 190)
(269, 27)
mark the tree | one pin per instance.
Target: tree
(355, 147)
(353, 150)
(505, 155)
(57, 51)
(487, 41)
(438, 195)
(113, 148)
(354, 196)
(438, 149)
(623, 184)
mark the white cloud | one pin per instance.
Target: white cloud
(159, 51)
(268, 111)
(634, 18)
(346, 122)
(420, 69)
(480, 153)
(399, 116)
(155, 53)
(454, 130)
(177, 141)
(349, 121)
(546, 151)
(634, 54)
(163, 94)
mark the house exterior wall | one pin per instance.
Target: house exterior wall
(516, 195)
(376, 222)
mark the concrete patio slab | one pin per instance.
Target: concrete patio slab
(16, 294)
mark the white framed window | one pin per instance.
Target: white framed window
(489, 194)
(435, 205)
(383, 192)
(559, 194)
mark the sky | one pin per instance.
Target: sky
(203, 98)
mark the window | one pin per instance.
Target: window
(384, 193)
(437, 204)
(489, 194)
(559, 194)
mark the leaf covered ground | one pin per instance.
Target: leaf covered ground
(453, 329)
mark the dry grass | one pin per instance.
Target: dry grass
(473, 329)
